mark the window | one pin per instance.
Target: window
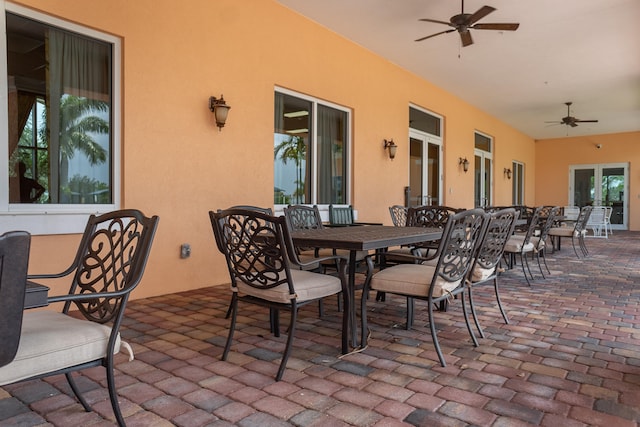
(62, 114)
(517, 183)
(311, 150)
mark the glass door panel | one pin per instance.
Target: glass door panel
(424, 170)
(482, 179)
(416, 177)
(601, 185)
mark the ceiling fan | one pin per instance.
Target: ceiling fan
(467, 21)
(570, 120)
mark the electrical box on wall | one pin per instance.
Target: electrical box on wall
(185, 250)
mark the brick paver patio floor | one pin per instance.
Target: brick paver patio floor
(570, 356)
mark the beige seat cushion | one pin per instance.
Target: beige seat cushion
(515, 244)
(411, 279)
(308, 286)
(480, 273)
(52, 341)
(562, 231)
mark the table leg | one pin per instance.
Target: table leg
(352, 298)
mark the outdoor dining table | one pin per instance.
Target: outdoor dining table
(362, 238)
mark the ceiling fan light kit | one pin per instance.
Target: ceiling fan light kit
(464, 22)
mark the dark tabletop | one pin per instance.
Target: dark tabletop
(364, 237)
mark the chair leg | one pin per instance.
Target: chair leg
(434, 335)
(410, 310)
(504, 313)
(525, 262)
(76, 391)
(573, 242)
(364, 328)
(113, 395)
(466, 320)
(583, 246)
(232, 327)
(474, 314)
(287, 349)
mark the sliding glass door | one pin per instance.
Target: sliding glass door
(601, 185)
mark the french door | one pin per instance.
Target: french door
(482, 178)
(601, 185)
(425, 169)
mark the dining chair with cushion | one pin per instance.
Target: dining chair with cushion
(540, 241)
(430, 216)
(108, 265)
(521, 245)
(265, 270)
(486, 266)
(14, 260)
(576, 232)
(434, 283)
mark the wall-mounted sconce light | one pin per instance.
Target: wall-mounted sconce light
(465, 164)
(507, 173)
(220, 110)
(392, 146)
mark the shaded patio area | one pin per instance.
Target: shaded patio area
(570, 356)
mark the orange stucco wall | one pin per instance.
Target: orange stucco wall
(177, 165)
(555, 156)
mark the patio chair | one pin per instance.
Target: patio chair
(521, 245)
(14, 259)
(597, 222)
(576, 232)
(265, 270)
(398, 215)
(458, 246)
(608, 211)
(344, 216)
(430, 216)
(108, 265)
(433, 216)
(486, 266)
(571, 213)
(540, 241)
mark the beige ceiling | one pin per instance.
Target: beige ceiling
(584, 51)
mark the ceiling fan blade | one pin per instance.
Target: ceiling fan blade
(573, 124)
(433, 35)
(434, 21)
(499, 27)
(466, 38)
(586, 121)
(480, 13)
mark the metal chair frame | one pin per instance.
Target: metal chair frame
(458, 247)
(260, 253)
(108, 265)
(499, 229)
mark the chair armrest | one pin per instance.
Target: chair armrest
(317, 260)
(87, 297)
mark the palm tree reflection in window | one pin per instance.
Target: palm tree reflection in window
(294, 148)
